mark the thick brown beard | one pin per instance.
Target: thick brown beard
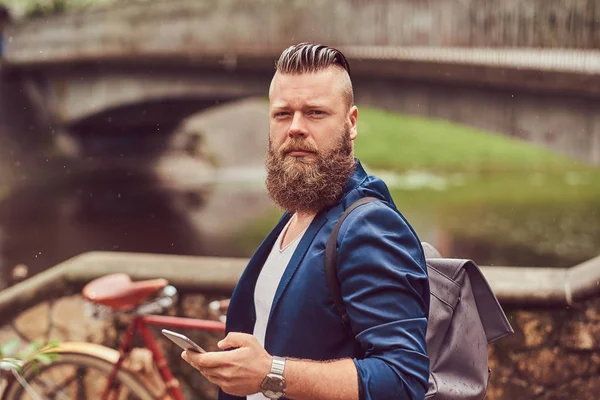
(309, 184)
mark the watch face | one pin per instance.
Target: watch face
(272, 395)
(273, 386)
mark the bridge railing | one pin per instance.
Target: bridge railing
(188, 26)
(426, 40)
(206, 24)
(514, 286)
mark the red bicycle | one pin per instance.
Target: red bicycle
(91, 371)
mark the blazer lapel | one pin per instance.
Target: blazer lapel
(242, 312)
(299, 253)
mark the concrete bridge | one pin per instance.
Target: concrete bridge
(139, 68)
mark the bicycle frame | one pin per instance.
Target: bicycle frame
(140, 324)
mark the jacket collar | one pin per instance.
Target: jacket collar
(358, 178)
(247, 283)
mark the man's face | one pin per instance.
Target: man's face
(310, 154)
(310, 109)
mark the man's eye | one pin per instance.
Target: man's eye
(280, 114)
(316, 112)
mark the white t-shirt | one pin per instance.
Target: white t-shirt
(266, 286)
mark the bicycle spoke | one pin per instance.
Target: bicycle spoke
(81, 392)
(75, 377)
(51, 390)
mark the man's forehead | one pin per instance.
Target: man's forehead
(321, 85)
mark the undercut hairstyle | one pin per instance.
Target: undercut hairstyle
(306, 57)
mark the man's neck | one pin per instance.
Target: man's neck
(300, 221)
(303, 217)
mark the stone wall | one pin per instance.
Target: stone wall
(554, 354)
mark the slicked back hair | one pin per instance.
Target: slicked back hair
(306, 57)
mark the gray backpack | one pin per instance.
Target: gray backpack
(460, 298)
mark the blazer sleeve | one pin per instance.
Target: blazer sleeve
(384, 284)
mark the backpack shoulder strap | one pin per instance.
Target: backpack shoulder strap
(331, 261)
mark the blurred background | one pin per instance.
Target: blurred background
(141, 126)
(130, 127)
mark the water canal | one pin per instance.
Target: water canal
(533, 219)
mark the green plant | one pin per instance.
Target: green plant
(13, 358)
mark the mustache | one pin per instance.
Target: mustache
(297, 145)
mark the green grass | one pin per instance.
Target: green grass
(396, 142)
(472, 185)
(509, 188)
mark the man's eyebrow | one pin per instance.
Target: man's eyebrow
(307, 106)
(316, 105)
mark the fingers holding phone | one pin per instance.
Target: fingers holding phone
(190, 346)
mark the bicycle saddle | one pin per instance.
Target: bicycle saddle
(119, 292)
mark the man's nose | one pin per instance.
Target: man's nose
(298, 127)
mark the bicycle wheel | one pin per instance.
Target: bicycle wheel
(77, 375)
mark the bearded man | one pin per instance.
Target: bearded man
(285, 337)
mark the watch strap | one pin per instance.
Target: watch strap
(278, 365)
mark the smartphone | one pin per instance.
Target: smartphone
(183, 341)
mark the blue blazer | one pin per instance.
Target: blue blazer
(382, 272)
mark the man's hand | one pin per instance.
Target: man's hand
(239, 371)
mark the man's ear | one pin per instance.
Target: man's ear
(353, 118)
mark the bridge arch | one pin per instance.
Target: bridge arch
(98, 93)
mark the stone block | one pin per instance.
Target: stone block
(512, 388)
(581, 336)
(72, 322)
(502, 375)
(580, 389)
(592, 312)
(34, 323)
(536, 328)
(552, 366)
(532, 330)
(7, 334)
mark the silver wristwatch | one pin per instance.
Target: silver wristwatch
(273, 386)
